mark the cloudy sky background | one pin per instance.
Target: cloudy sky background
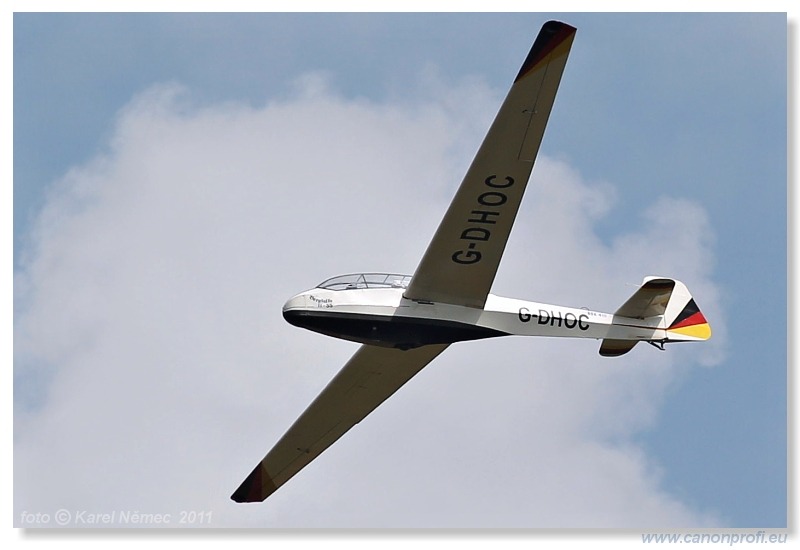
(178, 177)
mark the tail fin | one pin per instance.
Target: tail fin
(669, 301)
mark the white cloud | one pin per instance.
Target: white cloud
(157, 369)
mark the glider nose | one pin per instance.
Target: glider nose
(293, 308)
(295, 302)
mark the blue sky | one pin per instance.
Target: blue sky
(669, 136)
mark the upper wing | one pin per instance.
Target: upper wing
(461, 261)
(366, 381)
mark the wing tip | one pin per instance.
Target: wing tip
(552, 34)
(255, 488)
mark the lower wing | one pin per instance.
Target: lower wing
(367, 380)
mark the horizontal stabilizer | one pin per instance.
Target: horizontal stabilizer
(650, 300)
(615, 348)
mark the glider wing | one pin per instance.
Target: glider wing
(367, 380)
(461, 261)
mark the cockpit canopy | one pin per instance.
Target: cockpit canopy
(366, 280)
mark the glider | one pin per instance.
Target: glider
(403, 322)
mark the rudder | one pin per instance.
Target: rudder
(690, 324)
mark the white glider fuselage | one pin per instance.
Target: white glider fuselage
(405, 322)
(381, 315)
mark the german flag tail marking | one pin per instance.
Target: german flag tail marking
(690, 324)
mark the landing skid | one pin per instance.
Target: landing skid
(658, 344)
